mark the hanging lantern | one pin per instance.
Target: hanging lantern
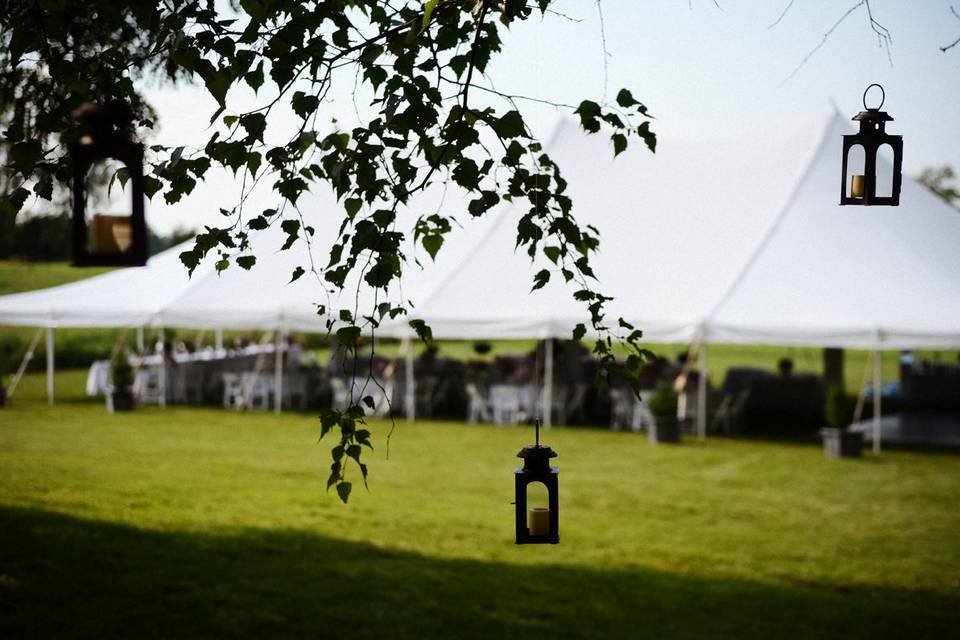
(107, 232)
(537, 523)
(861, 189)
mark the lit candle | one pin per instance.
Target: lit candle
(539, 521)
(856, 186)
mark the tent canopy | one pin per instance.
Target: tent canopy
(727, 241)
(723, 240)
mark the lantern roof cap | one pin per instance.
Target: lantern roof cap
(537, 452)
(874, 114)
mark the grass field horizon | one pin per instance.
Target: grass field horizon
(193, 522)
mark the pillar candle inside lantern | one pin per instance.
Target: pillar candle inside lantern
(857, 184)
(111, 233)
(539, 521)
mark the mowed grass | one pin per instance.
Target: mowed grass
(207, 523)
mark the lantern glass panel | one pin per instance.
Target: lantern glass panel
(109, 208)
(856, 166)
(885, 171)
(537, 495)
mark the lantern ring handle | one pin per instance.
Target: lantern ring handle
(883, 97)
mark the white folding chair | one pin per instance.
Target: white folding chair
(506, 404)
(478, 407)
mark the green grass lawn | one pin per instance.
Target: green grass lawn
(206, 523)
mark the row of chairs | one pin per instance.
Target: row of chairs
(513, 404)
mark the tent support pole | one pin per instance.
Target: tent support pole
(702, 392)
(410, 398)
(547, 407)
(218, 340)
(278, 370)
(877, 392)
(139, 339)
(50, 347)
(163, 368)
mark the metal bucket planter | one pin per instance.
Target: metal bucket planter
(664, 429)
(122, 400)
(841, 443)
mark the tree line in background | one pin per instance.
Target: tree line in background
(48, 237)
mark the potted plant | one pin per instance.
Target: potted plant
(121, 376)
(838, 440)
(663, 407)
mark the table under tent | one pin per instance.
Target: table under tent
(705, 242)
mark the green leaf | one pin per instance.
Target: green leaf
(304, 104)
(255, 124)
(296, 274)
(432, 244)
(292, 229)
(16, 200)
(625, 99)
(255, 77)
(510, 125)
(343, 490)
(246, 262)
(328, 420)
(424, 332)
(648, 136)
(619, 143)
(348, 336)
(589, 112)
(539, 280)
(352, 205)
(427, 12)
(579, 332)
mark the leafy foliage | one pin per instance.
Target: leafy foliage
(663, 402)
(417, 60)
(121, 373)
(942, 182)
(840, 407)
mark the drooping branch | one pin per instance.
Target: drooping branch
(947, 47)
(883, 35)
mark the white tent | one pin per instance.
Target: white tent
(736, 241)
(726, 242)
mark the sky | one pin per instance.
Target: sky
(704, 71)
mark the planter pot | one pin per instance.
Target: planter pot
(122, 401)
(840, 443)
(664, 429)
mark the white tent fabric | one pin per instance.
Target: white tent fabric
(736, 242)
(726, 241)
(131, 297)
(162, 294)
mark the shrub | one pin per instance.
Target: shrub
(840, 407)
(121, 372)
(663, 402)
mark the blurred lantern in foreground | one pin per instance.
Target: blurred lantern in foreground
(109, 228)
(538, 523)
(864, 188)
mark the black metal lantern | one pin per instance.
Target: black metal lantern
(862, 189)
(539, 524)
(107, 238)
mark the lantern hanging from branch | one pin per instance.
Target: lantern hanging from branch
(107, 231)
(535, 523)
(861, 189)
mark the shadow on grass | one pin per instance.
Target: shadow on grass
(66, 577)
